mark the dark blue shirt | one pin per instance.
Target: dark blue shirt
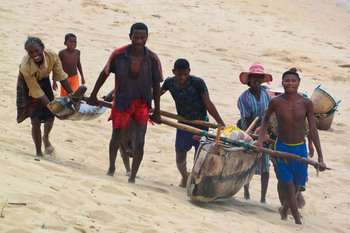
(188, 99)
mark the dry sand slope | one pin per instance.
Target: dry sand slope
(71, 193)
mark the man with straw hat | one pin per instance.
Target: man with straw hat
(252, 104)
(291, 110)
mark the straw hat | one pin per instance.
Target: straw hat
(255, 69)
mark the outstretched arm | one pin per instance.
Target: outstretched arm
(100, 81)
(65, 84)
(211, 108)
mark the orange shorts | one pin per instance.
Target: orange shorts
(137, 110)
(74, 84)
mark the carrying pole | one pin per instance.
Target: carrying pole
(242, 144)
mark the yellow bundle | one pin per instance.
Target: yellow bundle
(228, 130)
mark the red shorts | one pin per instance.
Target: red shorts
(137, 110)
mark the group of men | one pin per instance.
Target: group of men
(138, 75)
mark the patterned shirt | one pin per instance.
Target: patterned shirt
(250, 107)
(188, 99)
(32, 73)
(128, 86)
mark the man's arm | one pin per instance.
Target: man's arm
(155, 117)
(211, 108)
(100, 81)
(65, 84)
(313, 131)
(265, 122)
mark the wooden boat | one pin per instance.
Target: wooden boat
(63, 107)
(219, 172)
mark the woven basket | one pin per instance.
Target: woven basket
(323, 102)
(324, 121)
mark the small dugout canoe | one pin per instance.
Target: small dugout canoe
(220, 172)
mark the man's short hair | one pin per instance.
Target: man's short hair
(33, 40)
(69, 35)
(181, 64)
(138, 26)
(292, 71)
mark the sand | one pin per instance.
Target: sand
(69, 192)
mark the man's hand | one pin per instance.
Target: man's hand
(92, 100)
(321, 167)
(155, 117)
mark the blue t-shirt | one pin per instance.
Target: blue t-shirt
(188, 99)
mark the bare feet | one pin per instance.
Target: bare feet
(40, 154)
(131, 179)
(183, 183)
(110, 171)
(48, 147)
(184, 179)
(284, 216)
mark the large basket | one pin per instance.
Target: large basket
(324, 121)
(323, 102)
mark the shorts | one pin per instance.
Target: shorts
(289, 169)
(184, 140)
(74, 84)
(137, 110)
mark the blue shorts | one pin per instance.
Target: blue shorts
(289, 169)
(184, 140)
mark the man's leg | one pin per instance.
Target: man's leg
(125, 157)
(47, 129)
(138, 153)
(181, 158)
(246, 192)
(36, 135)
(113, 150)
(264, 183)
(291, 203)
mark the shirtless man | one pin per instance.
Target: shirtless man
(137, 72)
(291, 110)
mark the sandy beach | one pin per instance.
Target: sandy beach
(70, 192)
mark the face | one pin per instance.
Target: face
(71, 43)
(138, 38)
(256, 80)
(35, 52)
(290, 83)
(181, 77)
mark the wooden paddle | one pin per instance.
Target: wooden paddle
(243, 144)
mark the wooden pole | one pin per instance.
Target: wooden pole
(194, 122)
(242, 144)
(252, 125)
(100, 102)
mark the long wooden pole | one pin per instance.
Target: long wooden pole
(194, 122)
(165, 113)
(242, 144)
